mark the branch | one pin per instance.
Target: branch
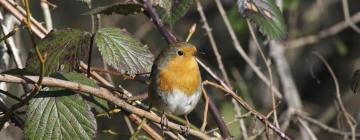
(151, 13)
(345, 6)
(311, 39)
(325, 127)
(258, 115)
(241, 51)
(20, 13)
(170, 38)
(349, 119)
(98, 92)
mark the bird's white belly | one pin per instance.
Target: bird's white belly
(178, 103)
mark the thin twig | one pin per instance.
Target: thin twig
(307, 129)
(128, 124)
(212, 41)
(219, 60)
(258, 115)
(145, 127)
(241, 51)
(345, 6)
(349, 119)
(170, 38)
(206, 108)
(47, 14)
(15, 52)
(311, 39)
(150, 11)
(10, 95)
(273, 100)
(325, 127)
(132, 117)
(225, 133)
(20, 14)
(98, 92)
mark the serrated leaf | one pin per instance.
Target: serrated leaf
(123, 52)
(59, 114)
(355, 83)
(266, 15)
(117, 8)
(99, 104)
(178, 10)
(62, 50)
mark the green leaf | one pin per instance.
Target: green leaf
(178, 10)
(355, 84)
(118, 8)
(62, 50)
(99, 104)
(237, 21)
(123, 52)
(266, 15)
(164, 4)
(59, 114)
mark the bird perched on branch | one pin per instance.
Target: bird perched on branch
(175, 81)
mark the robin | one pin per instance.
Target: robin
(175, 81)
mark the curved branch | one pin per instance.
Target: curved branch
(98, 92)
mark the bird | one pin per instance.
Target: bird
(175, 81)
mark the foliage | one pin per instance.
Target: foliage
(63, 49)
(99, 104)
(123, 52)
(177, 10)
(59, 114)
(266, 14)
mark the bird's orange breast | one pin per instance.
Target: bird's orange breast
(181, 73)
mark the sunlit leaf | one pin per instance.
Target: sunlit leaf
(123, 52)
(59, 114)
(355, 84)
(266, 15)
(117, 8)
(177, 10)
(62, 51)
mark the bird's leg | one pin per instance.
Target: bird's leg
(164, 121)
(185, 129)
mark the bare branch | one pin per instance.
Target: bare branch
(241, 51)
(98, 92)
(325, 127)
(345, 6)
(311, 39)
(258, 115)
(349, 119)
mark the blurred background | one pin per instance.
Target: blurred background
(304, 18)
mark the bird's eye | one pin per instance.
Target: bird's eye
(180, 53)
